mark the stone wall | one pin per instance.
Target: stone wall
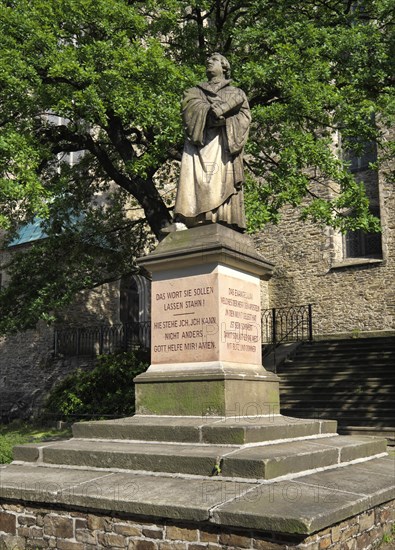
(28, 368)
(93, 306)
(28, 371)
(31, 527)
(351, 296)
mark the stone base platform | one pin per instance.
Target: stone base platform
(239, 429)
(303, 505)
(268, 473)
(293, 449)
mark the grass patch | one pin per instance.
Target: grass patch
(389, 538)
(18, 433)
(107, 391)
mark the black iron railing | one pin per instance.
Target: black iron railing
(279, 325)
(287, 324)
(101, 339)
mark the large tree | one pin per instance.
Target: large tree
(105, 77)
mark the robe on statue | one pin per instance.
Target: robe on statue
(210, 186)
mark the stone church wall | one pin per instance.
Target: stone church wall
(348, 296)
(28, 371)
(28, 367)
(92, 307)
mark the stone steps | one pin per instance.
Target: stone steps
(337, 396)
(386, 342)
(344, 390)
(355, 430)
(341, 388)
(264, 461)
(285, 459)
(339, 385)
(349, 402)
(336, 375)
(356, 408)
(363, 411)
(361, 359)
(346, 414)
(351, 348)
(341, 364)
(238, 471)
(264, 447)
(245, 427)
(351, 381)
(334, 384)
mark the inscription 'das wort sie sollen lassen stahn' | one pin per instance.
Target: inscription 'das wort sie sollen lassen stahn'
(177, 295)
(200, 291)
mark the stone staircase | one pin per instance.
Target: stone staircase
(351, 381)
(266, 448)
(230, 471)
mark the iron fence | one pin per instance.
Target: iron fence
(101, 339)
(287, 324)
(279, 325)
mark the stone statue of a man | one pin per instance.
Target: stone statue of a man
(216, 119)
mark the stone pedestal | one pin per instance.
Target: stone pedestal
(206, 327)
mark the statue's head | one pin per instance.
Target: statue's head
(218, 58)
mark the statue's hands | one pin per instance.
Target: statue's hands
(216, 109)
(220, 121)
(216, 117)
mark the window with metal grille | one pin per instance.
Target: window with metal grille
(359, 156)
(360, 244)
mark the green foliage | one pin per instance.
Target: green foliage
(18, 434)
(216, 471)
(8, 439)
(389, 538)
(46, 277)
(106, 390)
(316, 71)
(319, 77)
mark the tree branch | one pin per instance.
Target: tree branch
(143, 190)
(119, 139)
(61, 80)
